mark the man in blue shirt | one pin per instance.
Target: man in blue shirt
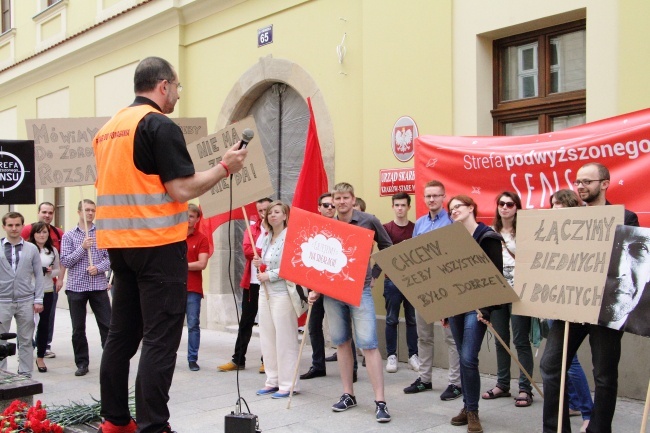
(434, 197)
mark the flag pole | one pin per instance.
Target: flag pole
(295, 373)
(250, 235)
(83, 213)
(563, 377)
(644, 422)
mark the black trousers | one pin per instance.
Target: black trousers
(148, 306)
(316, 335)
(43, 328)
(246, 323)
(101, 306)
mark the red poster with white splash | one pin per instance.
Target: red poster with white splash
(326, 255)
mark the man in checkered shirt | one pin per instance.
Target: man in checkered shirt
(86, 283)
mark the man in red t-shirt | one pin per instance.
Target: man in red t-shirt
(46, 215)
(400, 229)
(198, 251)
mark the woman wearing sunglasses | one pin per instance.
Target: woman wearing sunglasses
(505, 223)
(468, 328)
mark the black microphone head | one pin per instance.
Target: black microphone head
(7, 336)
(247, 135)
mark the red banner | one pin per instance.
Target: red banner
(326, 255)
(536, 166)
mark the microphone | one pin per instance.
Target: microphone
(246, 136)
(7, 336)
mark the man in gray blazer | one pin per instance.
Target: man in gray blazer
(21, 289)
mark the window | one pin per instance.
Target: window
(5, 10)
(540, 80)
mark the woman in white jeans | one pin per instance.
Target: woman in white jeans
(278, 321)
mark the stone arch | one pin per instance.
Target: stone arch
(248, 88)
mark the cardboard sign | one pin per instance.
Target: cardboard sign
(444, 273)
(562, 261)
(17, 172)
(326, 255)
(193, 128)
(252, 183)
(64, 148)
(626, 301)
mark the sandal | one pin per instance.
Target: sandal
(525, 401)
(490, 394)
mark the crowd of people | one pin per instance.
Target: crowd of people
(146, 235)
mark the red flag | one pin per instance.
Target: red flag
(207, 226)
(312, 181)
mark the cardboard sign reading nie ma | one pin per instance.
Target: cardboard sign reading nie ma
(562, 261)
(326, 255)
(445, 272)
(252, 183)
(63, 148)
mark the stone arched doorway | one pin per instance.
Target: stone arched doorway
(274, 91)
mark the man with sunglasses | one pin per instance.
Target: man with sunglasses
(592, 182)
(437, 217)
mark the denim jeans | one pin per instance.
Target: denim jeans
(578, 388)
(468, 333)
(501, 320)
(193, 311)
(341, 316)
(605, 354)
(394, 298)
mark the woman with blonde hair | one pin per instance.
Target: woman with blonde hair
(277, 317)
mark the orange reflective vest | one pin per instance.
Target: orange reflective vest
(133, 208)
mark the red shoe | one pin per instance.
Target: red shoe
(109, 427)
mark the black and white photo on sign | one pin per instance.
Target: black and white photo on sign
(626, 300)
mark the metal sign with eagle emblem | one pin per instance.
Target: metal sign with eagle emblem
(404, 133)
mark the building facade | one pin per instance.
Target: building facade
(457, 67)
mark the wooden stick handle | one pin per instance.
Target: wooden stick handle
(512, 355)
(302, 345)
(560, 417)
(644, 422)
(83, 216)
(250, 235)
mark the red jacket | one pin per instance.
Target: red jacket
(256, 229)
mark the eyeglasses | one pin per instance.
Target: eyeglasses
(327, 205)
(179, 87)
(508, 204)
(434, 196)
(586, 182)
(453, 208)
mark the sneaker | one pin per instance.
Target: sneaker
(414, 362)
(473, 423)
(382, 412)
(194, 366)
(49, 354)
(230, 366)
(460, 419)
(391, 364)
(109, 427)
(262, 370)
(418, 386)
(345, 402)
(451, 393)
